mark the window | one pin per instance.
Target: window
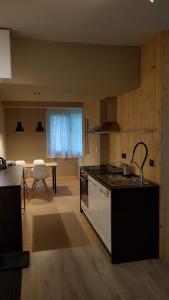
(64, 132)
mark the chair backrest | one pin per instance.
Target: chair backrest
(39, 172)
(20, 162)
(38, 162)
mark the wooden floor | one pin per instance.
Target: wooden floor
(85, 272)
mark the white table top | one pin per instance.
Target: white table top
(48, 164)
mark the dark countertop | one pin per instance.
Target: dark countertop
(102, 169)
(11, 176)
(112, 177)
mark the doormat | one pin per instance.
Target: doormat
(10, 284)
(14, 260)
(57, 231)
(63, 190)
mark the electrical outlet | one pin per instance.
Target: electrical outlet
(151, 163)
(123, 155)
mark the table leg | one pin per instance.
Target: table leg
(23, 179)
(14, 260)
(54, 178)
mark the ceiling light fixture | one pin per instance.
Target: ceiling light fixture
(19, 127)
(152, 1)
(67, 94)
(39, 127)
(36, 93)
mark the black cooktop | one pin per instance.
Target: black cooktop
(113, 177)
(119, 180)
(103, 169)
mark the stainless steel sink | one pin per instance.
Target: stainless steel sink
(119, 180)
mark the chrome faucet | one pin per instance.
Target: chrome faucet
(142, 165)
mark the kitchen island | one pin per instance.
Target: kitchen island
(124, 214)
(11, 252)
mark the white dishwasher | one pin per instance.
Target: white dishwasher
(99, 198)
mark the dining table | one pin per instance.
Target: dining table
(53, 166)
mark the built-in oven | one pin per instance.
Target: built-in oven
(83, 189)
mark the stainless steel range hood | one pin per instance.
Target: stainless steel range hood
(108, 116)
(107, 127)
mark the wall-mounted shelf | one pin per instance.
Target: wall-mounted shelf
(144, 130)
(87, 152)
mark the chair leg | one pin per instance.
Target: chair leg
(34, 184)
(45, 185)
(26, 186)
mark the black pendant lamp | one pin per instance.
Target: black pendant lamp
(19, 127)
(39, 127)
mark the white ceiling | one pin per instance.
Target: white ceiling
(123, 22)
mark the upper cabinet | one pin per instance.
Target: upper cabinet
(5, 54)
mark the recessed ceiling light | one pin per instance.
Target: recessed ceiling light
(152, 1)
(67, 94)
(36, 93)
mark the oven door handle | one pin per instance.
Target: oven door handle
(83, 179)
(92, 182)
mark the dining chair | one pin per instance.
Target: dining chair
(39, 173)
(26, 174)
(38, 162)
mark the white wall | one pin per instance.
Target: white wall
(86, 71)
(91, 110)
(31, 145)
(2, 132)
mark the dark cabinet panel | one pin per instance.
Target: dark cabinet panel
(135, 224)
(10, 211)
(11, 254)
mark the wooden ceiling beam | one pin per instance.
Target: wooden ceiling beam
(40, 104)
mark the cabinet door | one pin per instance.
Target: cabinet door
(92, 196)
(100, 210)
(10, 219)
(104, 215)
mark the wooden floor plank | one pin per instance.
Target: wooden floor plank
(86, 272)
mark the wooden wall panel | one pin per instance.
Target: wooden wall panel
(164, 183)
(140, 109)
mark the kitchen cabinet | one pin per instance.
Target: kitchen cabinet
(11, 254)
(135, 223)
(125, 216)
(10, 209)
(5, 54)
(100, 210)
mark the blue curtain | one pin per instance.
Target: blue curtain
(64, 132)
